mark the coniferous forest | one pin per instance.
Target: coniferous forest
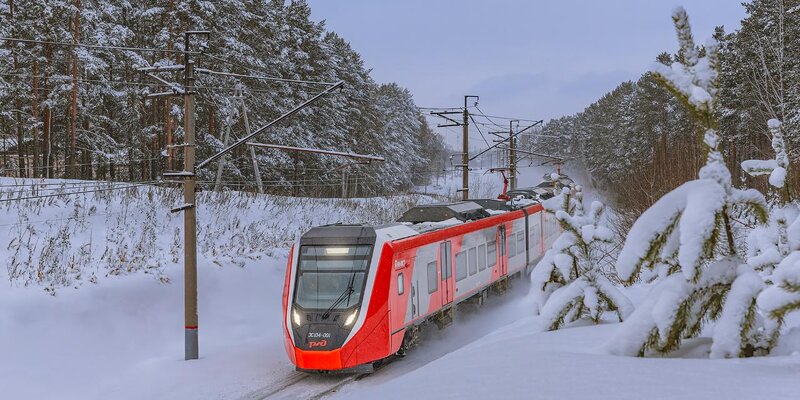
(82, 111)
(639, 141)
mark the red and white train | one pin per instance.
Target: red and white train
(356, 294)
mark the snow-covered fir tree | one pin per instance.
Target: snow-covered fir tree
(768, 245)
(688, 235)
(568, 283)
(777, 244)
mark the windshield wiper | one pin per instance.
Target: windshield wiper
(345, 295)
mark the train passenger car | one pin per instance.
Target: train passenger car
(356, 294)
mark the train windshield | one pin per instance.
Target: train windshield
(331, 277)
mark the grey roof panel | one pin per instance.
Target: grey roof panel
(461, 210)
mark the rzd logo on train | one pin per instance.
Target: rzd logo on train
(319, 343)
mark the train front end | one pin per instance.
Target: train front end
(329, 285)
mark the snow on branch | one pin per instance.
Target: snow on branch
(567, 283)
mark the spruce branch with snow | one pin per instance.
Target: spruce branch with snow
(690, 230)
(783, 296)
(568, 282)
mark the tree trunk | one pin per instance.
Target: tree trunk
(167, 101)
(17, 105)
(35, 111)
(47, 161)
(73, 131)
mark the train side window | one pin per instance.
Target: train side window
(461, 265)
(433, 278)
(400, 284)
(473, 261)
(491, 253)
(512, 246)
(521, 242)
(482, 257)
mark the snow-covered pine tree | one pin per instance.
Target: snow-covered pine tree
(768, 245)
(568, 283)
(778, 243)
(689, 233)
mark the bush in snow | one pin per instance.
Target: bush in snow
(687, 236)
(568, 283)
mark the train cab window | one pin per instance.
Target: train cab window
(433, 278)
(326, 272)
(473, 261)
(461, 265)
(521, 242)
(512, 246)
(400, 283)
(491, 253)
(482, 257)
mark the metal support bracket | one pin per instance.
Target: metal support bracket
(181, 208)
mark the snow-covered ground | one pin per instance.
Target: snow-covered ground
(92, 289)
(122, 337)
(515, 362)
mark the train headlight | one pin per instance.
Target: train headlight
(351, 318)
(296, 318)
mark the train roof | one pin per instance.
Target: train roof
(438, 212)
(334, 233)
(431, 217)
(493, 204)
(418, 219)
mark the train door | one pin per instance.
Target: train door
(414, 299)
(446, 268)
(501, 245)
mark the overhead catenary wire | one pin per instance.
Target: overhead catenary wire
(262, 77)
(507, 118)
(257, 77)
(73, 193)
(112, 82)
(479, 130)
(98, 46)
(482, 114)
(63, 190)
(67, 186)
(93, 164)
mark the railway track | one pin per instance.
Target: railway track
(301, 385)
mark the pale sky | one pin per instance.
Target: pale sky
(528, 59)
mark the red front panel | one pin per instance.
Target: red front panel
(287, 341)
(371, 341)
